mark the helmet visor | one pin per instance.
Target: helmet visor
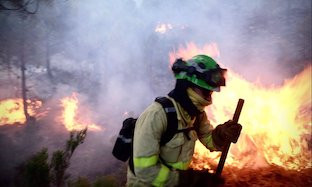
(215, 77)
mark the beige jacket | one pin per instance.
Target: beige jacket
(178, 152)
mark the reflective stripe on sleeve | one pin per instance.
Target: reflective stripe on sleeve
(162, 176)
(143, 162)
(180, 165)
(209, 142)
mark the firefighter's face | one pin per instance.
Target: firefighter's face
(206, 94)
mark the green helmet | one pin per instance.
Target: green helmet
(202, 71)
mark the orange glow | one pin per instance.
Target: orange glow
(70, 113)
(11, 110)
(276, 122)
(191, 50)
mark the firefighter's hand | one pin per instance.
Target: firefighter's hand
(229, 131)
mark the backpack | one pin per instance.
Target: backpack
(123, 146)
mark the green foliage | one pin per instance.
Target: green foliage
(58, 166)
(61, 159)
(106, 181)
(76, 138)
(35, 171)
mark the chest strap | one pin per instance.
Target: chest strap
(186, 131)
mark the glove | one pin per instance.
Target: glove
(229, 131)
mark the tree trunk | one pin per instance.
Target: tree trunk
(23, 69)
(24, 89)
(48, 63)
(8, 63)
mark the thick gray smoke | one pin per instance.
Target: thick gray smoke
(108, 52)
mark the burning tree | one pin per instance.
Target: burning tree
(20, 49)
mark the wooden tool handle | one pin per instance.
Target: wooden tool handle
(228, 143)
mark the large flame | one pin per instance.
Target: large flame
(12, 110)
(276, 121)
(70, 115)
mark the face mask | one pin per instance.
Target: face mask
(197, 100)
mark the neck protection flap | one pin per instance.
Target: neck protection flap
(179, 94)
(197, 100)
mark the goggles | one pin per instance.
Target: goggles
(213, 77)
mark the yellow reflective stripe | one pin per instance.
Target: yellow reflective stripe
(180, 165)
(209, 142)
(144, 162)
(162, 176)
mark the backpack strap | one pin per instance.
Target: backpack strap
(172, 120)
(131, 164)
(172, 125)
(186, 131)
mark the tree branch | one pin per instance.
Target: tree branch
(31, 12)
(20, 6)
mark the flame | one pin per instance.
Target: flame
(11, 110)
(70, 113)
(276, 121)
(191, 50)
(163, 28)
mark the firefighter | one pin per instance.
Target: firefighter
(155, 165)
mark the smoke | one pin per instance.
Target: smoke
(109, 53)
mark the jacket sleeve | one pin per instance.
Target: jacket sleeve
(149, 128)
(205, 133)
